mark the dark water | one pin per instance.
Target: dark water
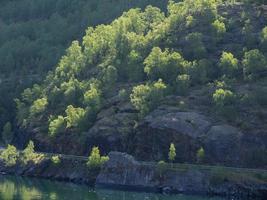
(19, 188)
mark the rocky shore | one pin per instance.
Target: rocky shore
(122, 171)
(70, 168)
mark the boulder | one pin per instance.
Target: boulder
(222, 144)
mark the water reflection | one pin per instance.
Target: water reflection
(18, 188)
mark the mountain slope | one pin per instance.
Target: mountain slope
(202, 60)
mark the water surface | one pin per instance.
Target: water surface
(18, 188)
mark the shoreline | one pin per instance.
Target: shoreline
(123, 172)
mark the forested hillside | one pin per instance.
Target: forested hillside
(195, 75)
(35, 33)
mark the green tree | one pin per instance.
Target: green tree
(92, 98)
(95, 160)
(9, 155)
(75, 116)
(225, 101)
(7, 133)
(38, 106)
(164, 65)
(172, 153)
(254, 63)
(28, 153)
(146, 97)
(57, 126)
(228, 64)
(219, 29)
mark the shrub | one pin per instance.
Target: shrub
(183, 83)
(161, 167)
(55, 160)
(9, 155)
(95, 160)
(254, 63)
(228, 64)
(223, 98)
(57, 126)
(38, 106)
(146, 97)
(219, 28)
(28, 153)
(200, 155)
(92, 98)
(75, 116)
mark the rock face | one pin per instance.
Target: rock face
(165, 125)
(223, 143)
(189, 131)
(123, 171)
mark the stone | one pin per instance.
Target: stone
(222, 144)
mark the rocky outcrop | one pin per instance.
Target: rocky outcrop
(113, 129)
(168, 124)
(123, 171)
(189, 131)
(223, 143)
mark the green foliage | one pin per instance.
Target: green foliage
(228, 64)
(254, 63)
(225, 101)
(161, 167)
(57, 126)
(95, 160)
(200, 155)
(172, 153)
(9, 155)
(198, 71)
(55, 160)
(164, 65)
(195, 48)
(28, 153)
(263, 39)
(7, 133)
(75, 116)
(92, 98)
(219, 28)
(38, 106)
(146, 97)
